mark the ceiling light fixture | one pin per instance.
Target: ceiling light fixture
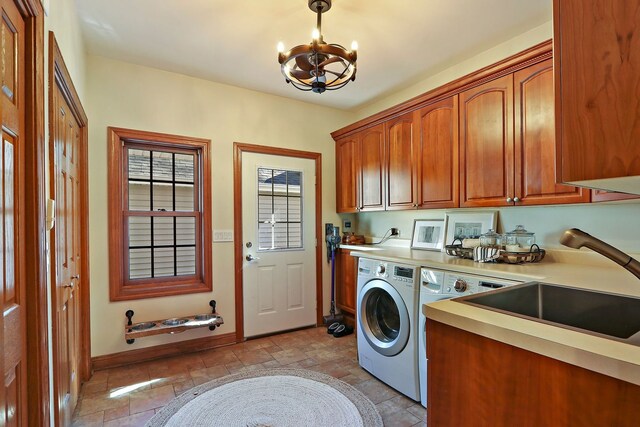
(318, 66)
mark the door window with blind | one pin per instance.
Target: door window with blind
(160, 224)
(279, 209)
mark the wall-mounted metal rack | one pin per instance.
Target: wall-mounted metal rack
(172, 325)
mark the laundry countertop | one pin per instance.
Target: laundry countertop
(570, 268)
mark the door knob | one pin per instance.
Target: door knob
(250, 257)
(509, 200)
(516, 199)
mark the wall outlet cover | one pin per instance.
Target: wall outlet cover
(223, 235)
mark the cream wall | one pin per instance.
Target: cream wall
(617, 223)
(62, 19)
(451, 72)
(130, 96)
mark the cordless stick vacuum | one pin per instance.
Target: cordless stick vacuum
(332, 237)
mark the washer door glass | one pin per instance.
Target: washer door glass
(383, 317)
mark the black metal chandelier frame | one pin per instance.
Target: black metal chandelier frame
(306, 66)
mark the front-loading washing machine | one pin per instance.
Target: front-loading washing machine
(437, 285)
(387, 318)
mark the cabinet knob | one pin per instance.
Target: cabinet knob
(516, 199)
(509, 200)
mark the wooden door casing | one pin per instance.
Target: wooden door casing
(372, 170)
(401, 162)
(486, 144)
(438, 174)
(347, 179)
(238, 245)
(535, 162)
(13, 394)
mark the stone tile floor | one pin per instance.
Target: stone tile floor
(130, 395)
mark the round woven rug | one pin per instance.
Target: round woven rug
(270, 397)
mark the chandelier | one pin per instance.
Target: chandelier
(318, 66)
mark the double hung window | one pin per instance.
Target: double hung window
(160, 221)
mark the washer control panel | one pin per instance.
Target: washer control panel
(458, 284)
(389, 271)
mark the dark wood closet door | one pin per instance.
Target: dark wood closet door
(13, 401)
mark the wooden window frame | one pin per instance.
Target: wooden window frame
(121, 288)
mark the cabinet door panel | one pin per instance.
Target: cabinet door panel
(486, 135)
(438, 154)
(535, 174)
(347, 175)
(401, 163)
(372, 169)
(597, 54)
(346, 267)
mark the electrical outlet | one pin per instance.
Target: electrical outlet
(223, 235)
(395, 231)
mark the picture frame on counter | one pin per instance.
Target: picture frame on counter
(428, 234)
(469, 225)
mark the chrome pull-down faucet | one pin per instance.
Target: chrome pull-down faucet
(575, 238)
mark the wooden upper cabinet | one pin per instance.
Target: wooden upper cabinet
(372, 169)
(437, 146)
(535, 165)
(597, 77)
(486, 144)
(401, 169)
(347, 166)
(360, 171)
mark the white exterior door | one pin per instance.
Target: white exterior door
(278, 221)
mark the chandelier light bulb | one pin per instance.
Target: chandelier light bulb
(354, 45)
(315, 34)
(280, 47)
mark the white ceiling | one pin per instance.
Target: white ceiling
(234, 41)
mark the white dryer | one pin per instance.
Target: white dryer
(387, 317)
(437, 285)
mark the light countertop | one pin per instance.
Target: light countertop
(572, 268)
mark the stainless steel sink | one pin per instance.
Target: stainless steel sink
(615, 316)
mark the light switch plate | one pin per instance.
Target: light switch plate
(223, 235)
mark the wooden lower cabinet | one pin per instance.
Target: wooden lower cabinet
(346, 273)
(476, 381)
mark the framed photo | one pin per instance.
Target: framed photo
(428, 234)
(469, 225)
